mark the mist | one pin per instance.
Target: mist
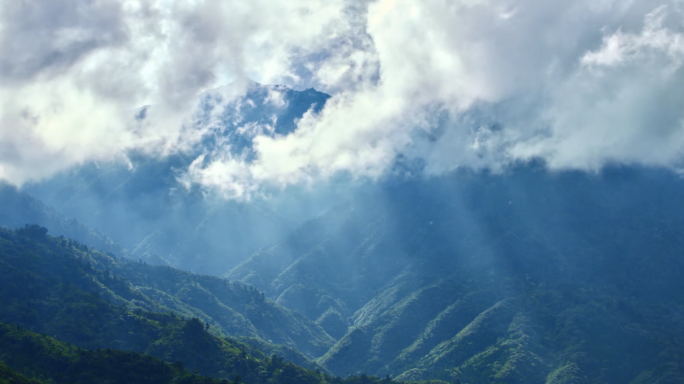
(146, 206)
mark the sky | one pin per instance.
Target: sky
(478, 84)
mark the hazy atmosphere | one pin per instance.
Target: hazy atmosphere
(342, 191)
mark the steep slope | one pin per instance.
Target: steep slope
(327, 269)
(236, 309)
(521, 277)
(26, 356)
(59, 287)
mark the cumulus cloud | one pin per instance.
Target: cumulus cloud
(623, 104)
(75, 73)
(463, 83)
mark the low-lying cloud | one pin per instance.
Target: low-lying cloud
(469, 83)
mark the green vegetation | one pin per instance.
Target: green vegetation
(60, 288)
(8, 376)
(18, 208)
(531, 293)
(501, 331)
(234, 309)
(105, 329)
(57, 286)
(517, 278)
(51, 361)
(36, 359)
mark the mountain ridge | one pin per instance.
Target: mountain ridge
(484, 267)
(67, 280)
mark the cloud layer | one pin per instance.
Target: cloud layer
(448, 84)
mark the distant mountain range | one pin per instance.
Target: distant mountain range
(142, 207)
(18, 208)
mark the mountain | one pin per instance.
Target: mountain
(28, 357)
(142, 206)
(18, 208)
(56, 286)
(521, 277)
(107, 330)
(51, 361)
(234, 308)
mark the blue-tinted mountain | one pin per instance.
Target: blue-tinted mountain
(56, 286)
(525, 276)
(522, 277)
(143, 207)
(18, 208)
(265, 110)
(68, 316)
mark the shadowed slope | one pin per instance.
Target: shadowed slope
(525, 277)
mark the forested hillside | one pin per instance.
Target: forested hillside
(30, 358)
(39, 357)
(58, 287)
(400, 281)
(68, 316)
(526, 277)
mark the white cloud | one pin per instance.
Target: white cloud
(620, 48)
(74, 72)
(623, 104)
(469, 83)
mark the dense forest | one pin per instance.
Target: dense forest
(101, 328)
(523, 277)
(28, 357)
